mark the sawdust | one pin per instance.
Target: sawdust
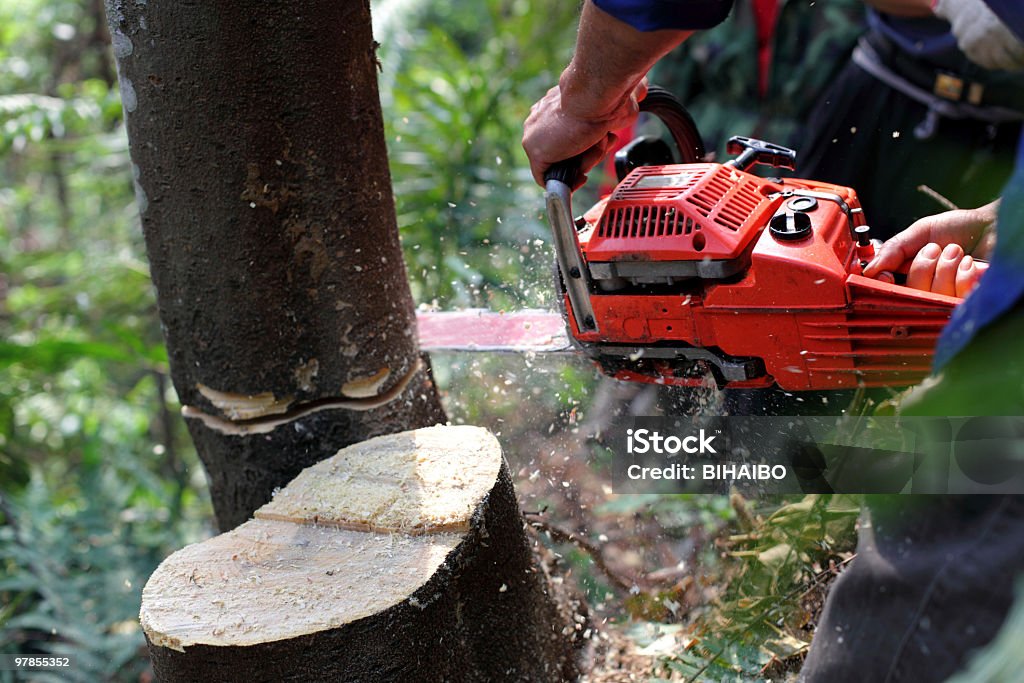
(616, 659)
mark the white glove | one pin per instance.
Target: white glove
(982, 36)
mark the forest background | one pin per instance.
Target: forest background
(98, 478)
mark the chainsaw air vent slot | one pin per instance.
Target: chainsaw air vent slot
(741, 205)
(709, 196)
(727, 200)
(646, 220)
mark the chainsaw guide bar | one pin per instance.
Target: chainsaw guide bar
(478, 329)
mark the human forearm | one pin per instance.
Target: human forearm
(597, 93)
(610, 60)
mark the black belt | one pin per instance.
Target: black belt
(954, 85)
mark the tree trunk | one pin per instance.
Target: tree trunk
(403, 558)
(263, 187)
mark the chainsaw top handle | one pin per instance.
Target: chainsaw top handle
(672, 113)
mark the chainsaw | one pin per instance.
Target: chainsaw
(694, 270)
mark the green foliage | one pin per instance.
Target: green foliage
(777, 568)
(454, 101)
(97, 479)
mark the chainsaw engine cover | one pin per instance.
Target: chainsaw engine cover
(678, 221)
(705, 266)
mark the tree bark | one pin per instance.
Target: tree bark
(263, 188)
(402, 558)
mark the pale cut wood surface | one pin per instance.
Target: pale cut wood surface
(348, 538)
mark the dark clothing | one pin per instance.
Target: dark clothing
(716, 72)
(651, 15)
(871, 137)
(921, 38)
(932, 581)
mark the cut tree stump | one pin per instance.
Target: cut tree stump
(401, 558)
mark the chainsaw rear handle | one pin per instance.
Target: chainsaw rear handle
(671, 112)
(677, 120)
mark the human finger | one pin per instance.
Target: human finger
(893, 254)
(944, 280)
(922, 269)
(886, 276)
(967, 276)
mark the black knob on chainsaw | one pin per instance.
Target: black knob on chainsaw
(790, 226)
(642, 151)
(752, 151)
(863, 235)
(647, 151)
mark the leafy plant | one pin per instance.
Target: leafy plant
(98, 481)
(777, 568)
(454, 101)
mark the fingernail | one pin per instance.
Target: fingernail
(931, 250)
(951, 252)
(966, 263)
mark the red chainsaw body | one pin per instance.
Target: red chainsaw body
(688, 265)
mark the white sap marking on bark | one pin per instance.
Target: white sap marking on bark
(306, 374)
(365, 387)
(128, 98)
(140, 194)
(265, 426)
(122, 44)
(349, 349)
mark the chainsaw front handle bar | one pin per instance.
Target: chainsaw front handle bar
(561, 178)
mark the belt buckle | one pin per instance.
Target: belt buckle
(949, 87)
(974, 93)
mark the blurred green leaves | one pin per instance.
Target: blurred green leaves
(456, 86)
(98, 482)
(776, 570)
